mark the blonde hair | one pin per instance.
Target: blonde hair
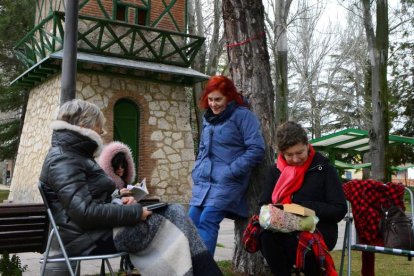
(81, 113)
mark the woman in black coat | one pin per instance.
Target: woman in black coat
(305, 177)
(76, 187)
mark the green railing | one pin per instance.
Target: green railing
(109, 38)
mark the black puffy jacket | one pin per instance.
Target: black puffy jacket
(78, 190)
(321, 191)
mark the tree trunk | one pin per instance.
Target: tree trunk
(282, 92)
(366, 158)
(216, 45)
(378, 52)
(315, 114)
(196, 27)
(250, 70)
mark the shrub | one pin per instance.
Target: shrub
(11, 266)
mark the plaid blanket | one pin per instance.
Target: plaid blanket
(314, 242)
(367, 197)
(167, 243)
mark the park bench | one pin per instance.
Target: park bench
(23, 227)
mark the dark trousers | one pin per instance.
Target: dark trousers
(279, 250)
(107, 246)
(104, 246)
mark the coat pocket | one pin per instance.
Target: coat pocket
(223, 174)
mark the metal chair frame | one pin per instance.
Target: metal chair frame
(54, 231)
(350, 240)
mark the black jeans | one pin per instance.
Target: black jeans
(279, 250)
(107, 247)
(104, 246)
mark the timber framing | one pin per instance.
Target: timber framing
(160, 13)
(155, 48)
(109, 38)
(114, 66)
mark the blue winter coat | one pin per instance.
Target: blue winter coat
(227, 153)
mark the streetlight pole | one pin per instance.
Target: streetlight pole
(68, 90)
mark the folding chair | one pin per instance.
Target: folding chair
(351, 241)
(54, 232)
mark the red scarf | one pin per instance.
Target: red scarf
(291, 178)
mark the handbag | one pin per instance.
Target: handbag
(251, 235)
(396, 229)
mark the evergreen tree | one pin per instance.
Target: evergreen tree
(16, 20)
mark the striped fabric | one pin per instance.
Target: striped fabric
(381, 249)
(167, 243)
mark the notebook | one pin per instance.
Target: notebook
(154, 206)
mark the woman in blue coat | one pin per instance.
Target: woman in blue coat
(231, 145)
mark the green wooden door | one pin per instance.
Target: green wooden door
(126, 126)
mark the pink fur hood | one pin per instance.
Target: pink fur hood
(104, 160)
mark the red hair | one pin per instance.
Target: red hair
(225, 86)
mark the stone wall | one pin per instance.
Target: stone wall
(166, 149)
(42, 107)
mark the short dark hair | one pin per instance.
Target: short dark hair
(289, 134)
(119, 160)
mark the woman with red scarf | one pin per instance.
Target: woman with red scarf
(305, 177)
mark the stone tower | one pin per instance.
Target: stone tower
(133, 62)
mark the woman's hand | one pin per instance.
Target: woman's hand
(125, 192)
(145, 213)
(128, 200)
